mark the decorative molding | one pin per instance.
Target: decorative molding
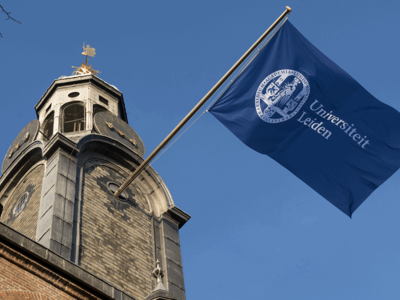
(58, 140)
(31, 150)
(177, 215)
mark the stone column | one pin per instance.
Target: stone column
(56, 125)
(57, 204)
(172, 260)
(89, 114)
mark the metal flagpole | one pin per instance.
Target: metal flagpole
(144, 164)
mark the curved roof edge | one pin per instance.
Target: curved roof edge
(177, 214)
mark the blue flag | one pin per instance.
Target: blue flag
(295, 105)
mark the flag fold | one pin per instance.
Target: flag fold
(295, 105)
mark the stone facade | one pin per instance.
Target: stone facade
(26, 221)
(72, 212)
(116, 236)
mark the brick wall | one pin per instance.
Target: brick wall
(23, 278)
(116, 236)
(26, 221)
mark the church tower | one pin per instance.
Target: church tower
(57, 185)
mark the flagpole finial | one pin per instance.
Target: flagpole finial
(288, 8)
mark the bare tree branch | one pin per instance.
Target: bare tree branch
(8, 17)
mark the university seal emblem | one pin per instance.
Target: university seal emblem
(281, 95)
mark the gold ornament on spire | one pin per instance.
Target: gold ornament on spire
(84, 68)
(88, 51)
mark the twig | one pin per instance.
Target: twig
(9, 17)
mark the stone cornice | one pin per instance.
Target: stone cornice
(60, 141)
(176, 216)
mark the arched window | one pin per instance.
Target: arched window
(74, 118)
(21, 203)
(48, 126)
(98, 108)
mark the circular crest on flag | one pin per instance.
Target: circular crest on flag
(281, 95)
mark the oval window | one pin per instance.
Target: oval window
(73, 95)
(114, 187)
